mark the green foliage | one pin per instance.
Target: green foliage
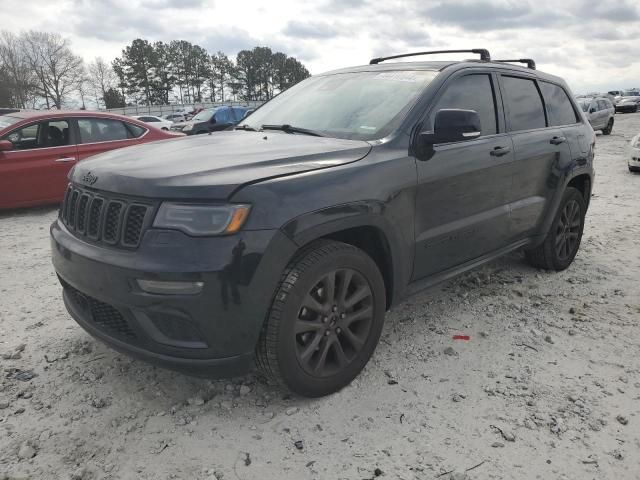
(151, 73)
(113, 99)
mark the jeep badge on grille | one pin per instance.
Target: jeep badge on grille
(89, 178)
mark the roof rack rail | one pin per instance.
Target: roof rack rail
(530, 63)
(483, 52)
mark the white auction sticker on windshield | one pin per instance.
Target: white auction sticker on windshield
(397, 76)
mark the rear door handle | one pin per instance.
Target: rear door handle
(499, 151)
(66, 159)
(557, 140)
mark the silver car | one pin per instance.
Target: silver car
(600, 112)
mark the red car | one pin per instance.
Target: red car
(37, 149)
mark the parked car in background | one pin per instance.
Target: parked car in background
(38, 148)
(176, 117)
(614, 96)
(600, 112)
(283, 242)
(629, 102)
(157, 122)
(211, 120)
(634, 154)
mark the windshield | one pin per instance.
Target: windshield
(358, 105)
(6, 120)
(631, 93)
(204, 115)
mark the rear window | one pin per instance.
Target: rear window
(525, 107)
(94, 130)
(559, 105)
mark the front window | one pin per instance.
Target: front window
(47, 134)
(357, 105)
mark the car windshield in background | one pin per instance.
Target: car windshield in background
(204, 115)
(631, 93)
(358, 105)
(6, 120)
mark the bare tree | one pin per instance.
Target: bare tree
(59, 72)
(101, 78)
(18, 75)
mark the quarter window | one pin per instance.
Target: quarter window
(559, 107)
(472, 92)
(525, 108)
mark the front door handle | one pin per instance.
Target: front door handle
(66, 159)
(499, 151)
(557, 140)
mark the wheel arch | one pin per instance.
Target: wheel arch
(362, 226)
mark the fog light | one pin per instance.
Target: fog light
(170, 288)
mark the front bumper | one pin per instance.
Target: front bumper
(212, 333)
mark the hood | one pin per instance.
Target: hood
(634, 99)
(212, 166)
(182, 124)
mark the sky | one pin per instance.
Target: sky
(592, 44)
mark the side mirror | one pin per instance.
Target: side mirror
(592, 110)
(452, 125)
(5, 146)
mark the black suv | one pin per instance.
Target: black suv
(284, 242)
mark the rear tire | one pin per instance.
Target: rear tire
(325, 319)
(563, 240)
(607, 130)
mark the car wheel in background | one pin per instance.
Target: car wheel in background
(325, 320)
(563, 240)
(607, 130)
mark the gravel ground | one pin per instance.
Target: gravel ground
(547, 387)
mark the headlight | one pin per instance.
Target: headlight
(187, 128)
(201, 220)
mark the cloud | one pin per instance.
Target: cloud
(312, 29)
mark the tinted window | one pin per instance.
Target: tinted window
(54, 133)
(94, 130)
(602, 105)
(135, 130)
(559, 106)
(148, 119)
(525, 108)
(472, 92)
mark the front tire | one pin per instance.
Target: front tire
(563, 240)
(325, 319)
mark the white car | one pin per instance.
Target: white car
(634, 154)
(157, 122)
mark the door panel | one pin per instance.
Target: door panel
(462, 203)
(99, 135)
(35, 176)
(540, 157)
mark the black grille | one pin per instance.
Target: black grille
(134, 223)
(112, 222)
(102, 314)
(94, 215)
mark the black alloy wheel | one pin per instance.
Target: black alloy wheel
(325, 319)
(333, 322)
(568, 230)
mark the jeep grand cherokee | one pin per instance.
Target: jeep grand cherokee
(284, 242)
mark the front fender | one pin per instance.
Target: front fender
(331, 220)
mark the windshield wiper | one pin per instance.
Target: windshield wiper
(245, 127)
(291, 129)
